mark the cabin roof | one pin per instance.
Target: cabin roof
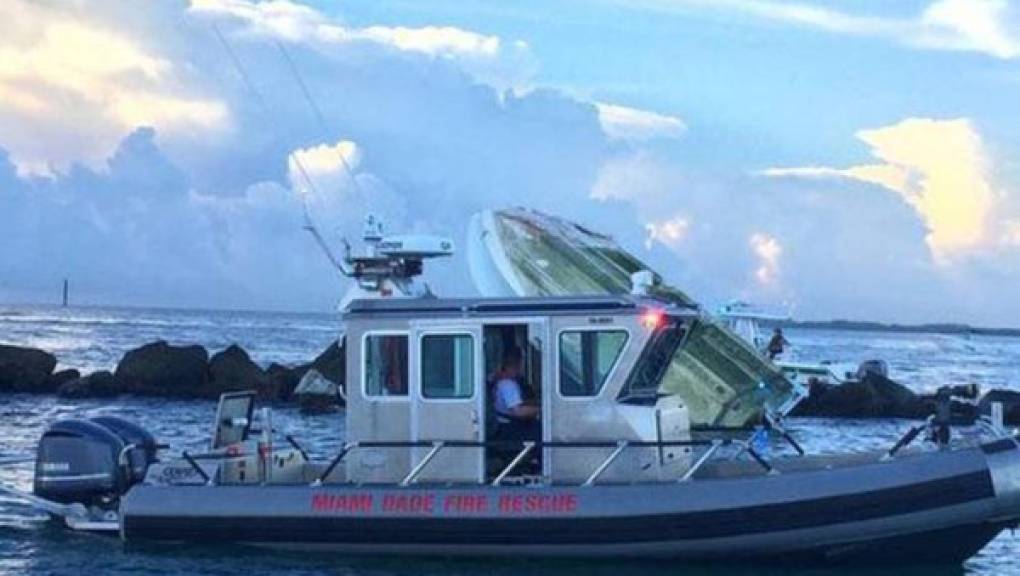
(544, 305)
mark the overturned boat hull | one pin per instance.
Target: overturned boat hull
(517, 252)
(935, 507)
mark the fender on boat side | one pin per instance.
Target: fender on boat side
(1003, 457)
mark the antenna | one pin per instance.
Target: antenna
(319, 116)
(308, 224)
(390, 264)
(310, 227)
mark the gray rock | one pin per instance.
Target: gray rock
(58, 379)
(285, 379)
(159, 369)
(331, 363)
(874, 396)
(317, 394)
(232, 369)
(25, 369)
(101, 384)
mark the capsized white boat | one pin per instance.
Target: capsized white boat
(524, 253)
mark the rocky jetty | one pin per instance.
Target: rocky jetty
(57, 380)
(284, 380)
(317, 394)
(331, 364)
(101, 384)
(232, 369)
(876, 396)
(159, 369)
(25, 369)
(164, 370)
(873, 396)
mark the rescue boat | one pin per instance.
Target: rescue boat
(615, 472)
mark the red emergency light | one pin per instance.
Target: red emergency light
(652, 318)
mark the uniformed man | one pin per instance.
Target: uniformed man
(517, 418)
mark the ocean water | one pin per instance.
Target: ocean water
(95, 338)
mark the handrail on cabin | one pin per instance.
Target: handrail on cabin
(527, 447)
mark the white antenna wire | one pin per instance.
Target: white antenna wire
(308, 225)
(319, 116)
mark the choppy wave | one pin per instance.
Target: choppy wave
(96, 338)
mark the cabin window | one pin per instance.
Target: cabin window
(586, 359)
(720, 378)
(643, 384)
(386, 372)
(447, 366)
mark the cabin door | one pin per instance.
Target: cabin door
(448, 402)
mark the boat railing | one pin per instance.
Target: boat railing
(938, 431)
(524, 449)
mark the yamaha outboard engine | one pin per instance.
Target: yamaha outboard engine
(872, 367)
(92, 462)
(141, 445)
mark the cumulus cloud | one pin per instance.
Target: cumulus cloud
(299, 23)
(653, 187)
(488, 57)
(322, 160)
(1012, 233)
(940, 168)
(432, 40)
(987, 26)
(670, 232)
(640, 176)
(625, 123)
(983, 26)
(768, 251)
(211, 217)
(88, 82)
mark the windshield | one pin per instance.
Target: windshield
(722, 380)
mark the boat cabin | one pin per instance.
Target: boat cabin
(426, 370)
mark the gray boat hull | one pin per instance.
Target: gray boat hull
(937, 507)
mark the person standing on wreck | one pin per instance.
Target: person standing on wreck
(777, 344)
(517, 419)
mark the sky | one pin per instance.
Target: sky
(841, 159)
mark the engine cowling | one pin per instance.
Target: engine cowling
(142, 445)
(92, 462)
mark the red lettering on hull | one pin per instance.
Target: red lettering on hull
(537, 503)
(428, 503)
(409, 503)
(343, 503)
(466, 503)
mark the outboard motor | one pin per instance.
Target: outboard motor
(78, 461)
(869, 367)
(141, 445)
(92, 462)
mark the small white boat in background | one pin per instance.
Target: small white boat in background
(745, 321)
